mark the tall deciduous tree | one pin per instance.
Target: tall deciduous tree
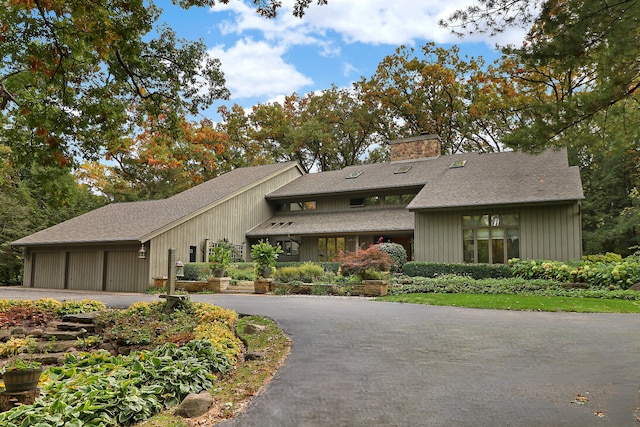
(33, 197)
(437, 92)
(322, 131)
(156, 164)
(584, 55)
(70, 70)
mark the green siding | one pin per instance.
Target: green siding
(550, 232)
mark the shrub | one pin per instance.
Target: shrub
(396, 252)
(241, 272)
(476, 271)
(512, 286)
(196, 271)
(357, 263)
(601, 275)
(306, 272)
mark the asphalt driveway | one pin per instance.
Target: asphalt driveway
(357, 362)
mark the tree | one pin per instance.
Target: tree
(609, 159)
(71, 69)
(436, 92)
(582, 54)
(34, 197)
(321, 131)
(156, 165)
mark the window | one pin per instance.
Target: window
(290, 247)
(492, 239)
(330, 247)
(356, 203)
(309, 205)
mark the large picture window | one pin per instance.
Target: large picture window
(492, 239)
(330, 247)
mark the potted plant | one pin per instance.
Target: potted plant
(20, 374)
(264, 257)
(219, 258)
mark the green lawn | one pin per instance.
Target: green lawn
(520, 302)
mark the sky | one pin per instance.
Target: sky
(266, 59)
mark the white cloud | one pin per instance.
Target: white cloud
(255, 66)
(366, 21)
(256, 69)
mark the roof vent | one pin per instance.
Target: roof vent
(353, 175)
(458, 164)
(402, 169)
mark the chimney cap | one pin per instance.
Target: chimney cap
(421, 137)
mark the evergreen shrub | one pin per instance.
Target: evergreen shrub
(476, 271)
(396, 252)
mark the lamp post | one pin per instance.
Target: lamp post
(175, 269)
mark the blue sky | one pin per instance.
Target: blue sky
(265, 60)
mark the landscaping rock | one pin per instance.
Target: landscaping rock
(80, 318)
(635, 287)
(251, 328)
(254, 355)
(195, 405)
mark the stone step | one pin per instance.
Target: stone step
(72, 326)
(80, 318)
(55, 334)
(50, 347)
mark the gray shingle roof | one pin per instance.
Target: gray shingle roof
(500, 179)
(128, 222)
(353, 221)
(485, 179)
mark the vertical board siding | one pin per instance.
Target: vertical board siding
(438, 237)
(125, 272)
(84, 270)
(552, 232)
(230, 219)
(48, 269)
(549, 232)
(89, 267)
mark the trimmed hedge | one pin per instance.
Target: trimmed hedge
(475, 271)
(511, 286)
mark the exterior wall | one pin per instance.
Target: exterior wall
(554, 233)
(230, 219)
(551, 232)
(96, 268)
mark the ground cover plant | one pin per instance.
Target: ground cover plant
(233, 392)
(170, 354)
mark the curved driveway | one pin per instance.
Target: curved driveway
(357, 362)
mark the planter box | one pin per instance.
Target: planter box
(160, 282)
(192, 285)
(375, 288)
(262, 286)
(218, 284)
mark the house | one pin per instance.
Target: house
(468, 207)
(102, 249)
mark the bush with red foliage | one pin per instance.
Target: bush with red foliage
(357, 263)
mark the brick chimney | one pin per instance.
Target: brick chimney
(415, 147)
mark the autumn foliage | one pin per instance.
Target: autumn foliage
(359, 262)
